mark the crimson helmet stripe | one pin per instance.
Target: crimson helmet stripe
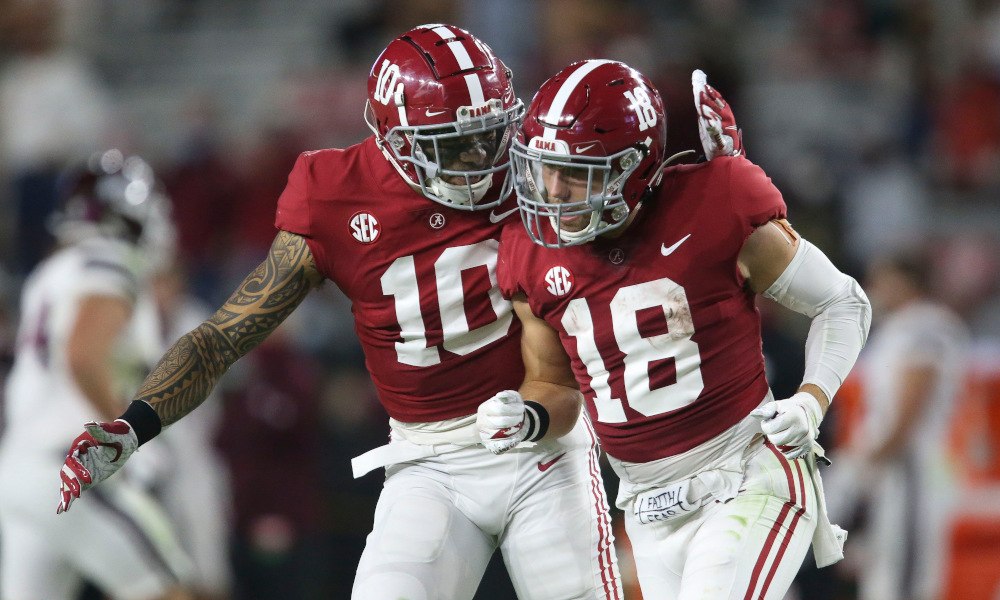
(457, 48)
(565, 91)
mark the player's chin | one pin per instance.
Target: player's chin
(573, 224)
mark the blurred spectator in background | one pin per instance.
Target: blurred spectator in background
(270, 436)
(897, 461)
(75, 358)
(53, 108)
(204, 188)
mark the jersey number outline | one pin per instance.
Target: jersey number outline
(640, 351)
(400, 282)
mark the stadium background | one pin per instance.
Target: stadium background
(878, 119)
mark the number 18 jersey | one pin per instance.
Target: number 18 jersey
(438, 336)
(663, 335)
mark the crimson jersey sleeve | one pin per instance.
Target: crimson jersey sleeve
(753, 198)
(293, 204)
(294, 213)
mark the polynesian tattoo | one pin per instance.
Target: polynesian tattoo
(189, 370)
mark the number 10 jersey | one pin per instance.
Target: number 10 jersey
(438, 336)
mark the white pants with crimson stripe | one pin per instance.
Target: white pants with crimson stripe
(440, 518)
(750, 547)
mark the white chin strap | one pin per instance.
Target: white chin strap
(459, 194)
(591, 230)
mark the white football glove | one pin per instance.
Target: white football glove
(501, 421)
(716, 123)
(792, 424)
(95, 455)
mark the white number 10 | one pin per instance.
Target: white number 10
(400, 282)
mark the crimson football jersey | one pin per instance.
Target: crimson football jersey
(438, 336)
(663, 334)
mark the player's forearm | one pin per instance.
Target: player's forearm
(562, 403)
(186, 374)
(189, 370)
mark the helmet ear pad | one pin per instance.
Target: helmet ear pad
(437, 84)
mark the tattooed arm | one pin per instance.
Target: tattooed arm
(193, 365)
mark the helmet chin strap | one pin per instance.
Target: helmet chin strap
(459, 194)
(590, 232)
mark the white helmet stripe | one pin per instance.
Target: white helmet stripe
(568, 86)
(464, 62)
(476, 97)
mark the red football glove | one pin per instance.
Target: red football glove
(716, 124)
(94, 456)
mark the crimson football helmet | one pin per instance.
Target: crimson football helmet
(116, 196)
(443, 111)
(589, 150)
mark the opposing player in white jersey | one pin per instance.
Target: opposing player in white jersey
(911, 375)
(407, 223)
(72, 362)
(641, 279)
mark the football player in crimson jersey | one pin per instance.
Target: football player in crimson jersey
(407, 223)
(641, 279)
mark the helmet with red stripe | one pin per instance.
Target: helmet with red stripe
(590, 149)
(443, 111)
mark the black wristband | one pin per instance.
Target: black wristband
(539, 420)
(143, 419)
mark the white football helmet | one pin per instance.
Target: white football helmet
(116, 196)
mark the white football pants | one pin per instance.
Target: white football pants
(748, 548)
(439, 519)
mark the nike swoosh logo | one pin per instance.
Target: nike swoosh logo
(495, 218)
(435, 113)
(544, 466)
(668, 251)
(585, 148)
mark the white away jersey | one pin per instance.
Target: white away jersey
(40, 390)
(921, 334)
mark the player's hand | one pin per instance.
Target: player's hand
(792, 425)
(94, 456)
(716, 124)
(500, 421)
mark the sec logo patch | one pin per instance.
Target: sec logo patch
(558, 281)
(365, 227)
